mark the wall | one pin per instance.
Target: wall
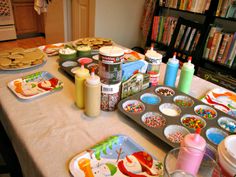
(119, 20)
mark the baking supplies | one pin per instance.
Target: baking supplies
(215, 135)
(154, 60)
(110, 62)
(176, 126)
(92, 95)
(110, 96)
(227, 156)
(186, 76)
(171, 71)
(191, 153)
(80, 76)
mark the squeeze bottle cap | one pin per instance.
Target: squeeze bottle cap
(189, 65)
(195, 140)
(93, 79)
(174, 60)
(82, 72)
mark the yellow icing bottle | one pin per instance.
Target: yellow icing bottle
(80, 76)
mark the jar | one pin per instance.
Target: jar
(110, 62)
(227, 156)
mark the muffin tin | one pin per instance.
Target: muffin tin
(70, 66)
(173, 114)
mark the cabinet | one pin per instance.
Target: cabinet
(207, 19)
(27, 21)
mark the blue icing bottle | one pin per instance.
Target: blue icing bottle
(171, 71)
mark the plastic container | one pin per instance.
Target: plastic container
(84, 51)
(154, 60)
(110, 62)
(227, 156)
(80, 76)
(171, 71)
(92, 95)
(189, 159)
(186, 76)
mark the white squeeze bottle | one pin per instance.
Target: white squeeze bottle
(92, 95)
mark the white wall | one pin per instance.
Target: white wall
(119, 20)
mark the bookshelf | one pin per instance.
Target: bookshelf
(209, 16)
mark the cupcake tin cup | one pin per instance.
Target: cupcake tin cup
(174, 116)
(69, 66)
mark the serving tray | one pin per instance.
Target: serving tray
(35, 85)
(170, 114)
(116, 156)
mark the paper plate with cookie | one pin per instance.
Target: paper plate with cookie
(20, 58)
(35, 85)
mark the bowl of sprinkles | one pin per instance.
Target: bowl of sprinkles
(133, 106)
(215, 135)
(149, 98)
(165, 91)
(153, 119)
(170, 109)
(193, 121)
(183, 101)
(228, 124)
(206, 112)
(175, 133)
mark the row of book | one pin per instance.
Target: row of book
(198, 6)
(163, 28)
(220, 47)
(226, 9)
(187, 39)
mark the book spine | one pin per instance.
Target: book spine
(154, 25)
(232, 56)
(190, 39)
(179, 37)
(222, 47)
(224, 8)
(186, 36)
(218, 11)
(161, 28)
(218, 41)
(195, 42)
(213, 45)
(208, 3)
(227, 49)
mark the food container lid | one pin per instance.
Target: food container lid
(152, 54)
(228, 150)
(111, 51)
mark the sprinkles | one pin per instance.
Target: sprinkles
(153, 120)
(227, 124)
(183, 103)
(176, 137)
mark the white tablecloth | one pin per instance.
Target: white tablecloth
(48, 131)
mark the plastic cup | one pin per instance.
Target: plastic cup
(208, 166)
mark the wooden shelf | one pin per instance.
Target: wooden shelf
(184, 11)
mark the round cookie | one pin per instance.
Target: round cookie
(5, 62)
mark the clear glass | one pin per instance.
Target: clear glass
(207, 167)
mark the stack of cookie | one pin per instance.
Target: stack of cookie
(94, 43)
(18, 58)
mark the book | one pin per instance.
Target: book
(186, 36)
(224, 7)
(225, 39)
(195, 42)
(160, 33)
(180, 35)
(231, 53)
(154, 28)
(173, 22)
(231, 13)
(227, 49)
(190, 39)
(208, 44)
(215, 45)
(218, 11)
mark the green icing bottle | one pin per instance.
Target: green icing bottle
(186, 76)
